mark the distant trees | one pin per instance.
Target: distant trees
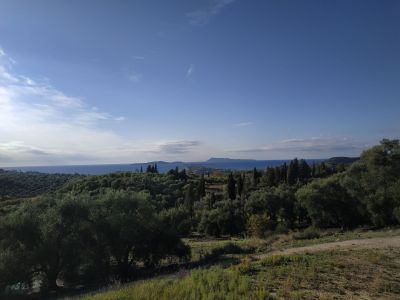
(15, 184)
(152, 168)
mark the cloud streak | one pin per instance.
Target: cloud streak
(312, 145)
(202, 16)
(190, 71)
(177, 147)
(243, 124)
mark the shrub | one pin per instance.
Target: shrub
(308, 234)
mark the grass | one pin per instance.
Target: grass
(282, 242)
(344, 274)
(215, 283)
(324, 275)
(201, 248)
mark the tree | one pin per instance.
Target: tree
(201, 187)
(240, 185)
(270, 177)
(189, 199)
(304, 171)
(374, 180)
(293, 172)
(284, 171)
(255, 177)
(231, 187)
(225, 218)
(329, 204)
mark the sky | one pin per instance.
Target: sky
(91, 81)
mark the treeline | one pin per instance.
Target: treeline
(366, 193)
(15, 184)
(106, 228)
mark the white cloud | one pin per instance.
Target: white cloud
(202, 16)
(243, 124)
(42, 125)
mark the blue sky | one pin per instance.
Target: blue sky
(130, 81)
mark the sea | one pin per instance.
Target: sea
(162, 166)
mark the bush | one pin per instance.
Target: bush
(308, 234)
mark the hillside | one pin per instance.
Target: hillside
(349, 268)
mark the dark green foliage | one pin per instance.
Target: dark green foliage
(165, 189)
(293, 171)
(152, 168)
(29, 184)
(374, 180)
(270, 177)
(231, 187)
(329, 204)
(190, 198)
(255, 177)
(225, 218)
(304, 171)
(240, 185)
(177, 219)
(80, 238)
(201, 187)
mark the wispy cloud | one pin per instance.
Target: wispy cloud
(139, 57)
(243, 124)
(41, 124)
(202, 16)
(177, 147)
(135, 76)
(190, 71)
(312, 145)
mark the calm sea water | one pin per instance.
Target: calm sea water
(162, 166)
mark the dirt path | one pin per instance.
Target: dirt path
(372, 243)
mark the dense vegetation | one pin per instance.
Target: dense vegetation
(108, 228)
(15, 184)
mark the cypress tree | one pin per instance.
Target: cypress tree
(255, 177)
(293, 171)
(270, 177)
(240, 185)
(231, 187)
(277, 175)
(284, 170)
(201, 188)
(189, 199)
(304, 170)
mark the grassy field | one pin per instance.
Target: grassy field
(336, 274)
